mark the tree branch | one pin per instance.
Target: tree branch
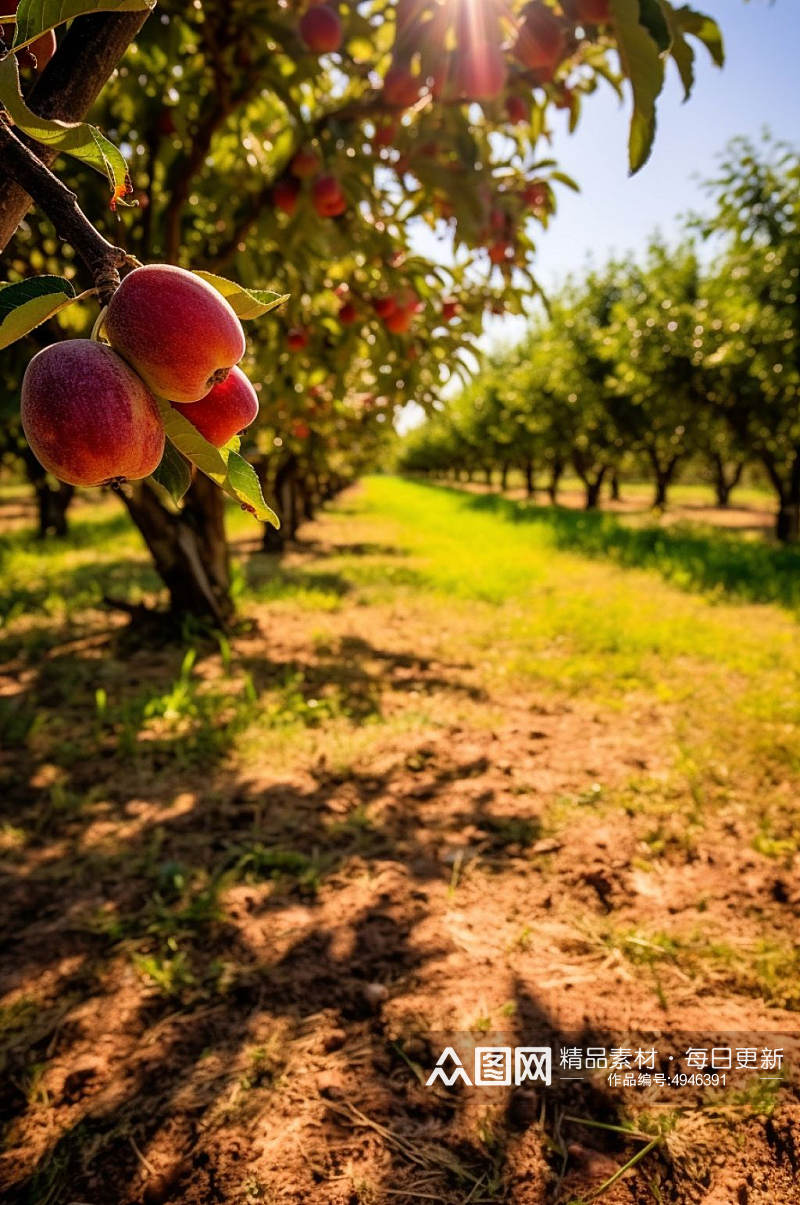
(67, 88)
(60, 204)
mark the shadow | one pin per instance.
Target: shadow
(709, 560)
(225, 985)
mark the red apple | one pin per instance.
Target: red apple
(541, 39)
(592, 12)
(399, 321)
(226, 411)
(348, 314)
(297, 338)
(518, 111)
(400, 88)
(305, 164)
(327, 196)
(500, 251)
(385, 306)
(321, 29)
(284, 194)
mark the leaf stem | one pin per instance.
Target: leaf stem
(60, 204)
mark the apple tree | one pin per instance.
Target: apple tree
(376, 171)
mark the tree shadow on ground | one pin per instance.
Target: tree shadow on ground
(177, 935)
(692, 558)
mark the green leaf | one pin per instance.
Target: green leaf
(79, 139)
(681, 52)
(35, 16)
(652, 16)
(188, 440)
(242, 484)
(645, 69)
(29, 303)
(246, 303)
(705, 29)
(173, 474)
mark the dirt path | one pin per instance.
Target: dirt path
(243, 930)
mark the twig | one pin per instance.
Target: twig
(144, 1162)
(86, 56)
(60, 204)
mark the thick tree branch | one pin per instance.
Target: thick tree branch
(60, 204)
(67, 88)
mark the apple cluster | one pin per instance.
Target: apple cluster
(457, 51)
(89, 409)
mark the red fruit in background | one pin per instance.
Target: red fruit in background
(399, 321)
(449, 310)
(225, 411)
(327, 196)
(284, 194)
(541, 39)
(480, 70)
(591, 11)
(297, 338)
(536, 195)
(306, 163)
(39, 53)
(348, 313)
(175, 330)
(385, 132)
(498, 218)
(500, 251)
(400, 88)
(440, 76)
(165, 124)
(88, 417)
(321, 29)
(517, 110)
(385, 306)
(300, 430)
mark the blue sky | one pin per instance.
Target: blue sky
(759, 86)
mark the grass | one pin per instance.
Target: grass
(146, 789)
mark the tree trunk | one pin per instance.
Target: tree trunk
(593, 490)
(283, 492)
(787, 520)
(724, 485)
(663, 476)
(614, 484)
(529, 482)
(504, 476)
(189, 548)
(51, 501)
(487, 472)
(556, 469)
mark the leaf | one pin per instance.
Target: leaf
(79, 139)
(705, 29)
(188, 440)
(246, 303)
(35, 16)
(652, 16)
(645, 69)
(681, 52)
(173, 474)
(29, 303)
(242, 484)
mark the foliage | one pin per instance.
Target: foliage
(660, 361)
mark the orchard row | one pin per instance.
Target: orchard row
(660, 365)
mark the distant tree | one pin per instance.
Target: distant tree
(753, 348)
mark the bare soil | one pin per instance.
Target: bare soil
(438, 897)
